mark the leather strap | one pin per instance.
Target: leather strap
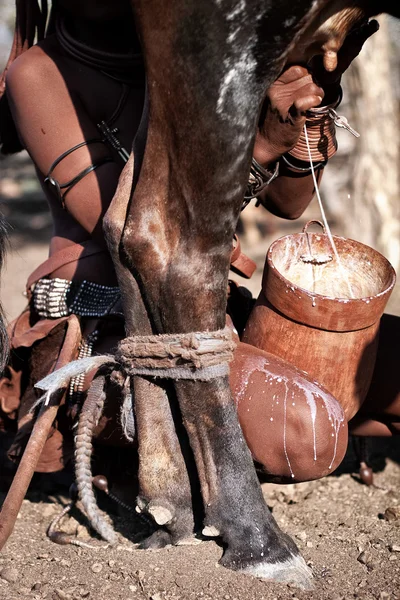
(240, 263)
(61, 258)
(25, 335)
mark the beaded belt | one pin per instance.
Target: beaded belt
(54, 298)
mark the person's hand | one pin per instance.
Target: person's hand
(329, 80)
(284, 113)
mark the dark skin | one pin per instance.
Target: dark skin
(53, 118)
(299, 88)
(293, 93)
(57, 101)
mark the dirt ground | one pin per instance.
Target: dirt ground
(338, 523)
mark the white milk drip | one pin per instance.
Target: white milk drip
(308, 390)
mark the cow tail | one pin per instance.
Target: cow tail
(88, 419)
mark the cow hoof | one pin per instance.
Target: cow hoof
(292, 570)
(159, 539)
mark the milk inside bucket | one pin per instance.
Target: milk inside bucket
(319, 309)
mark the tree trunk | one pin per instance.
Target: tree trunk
(368, 199)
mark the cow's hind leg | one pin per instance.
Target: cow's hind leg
(233, 503)
(231, 492)
(208, 64)
(165, 491)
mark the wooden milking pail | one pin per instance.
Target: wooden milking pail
(322, 315)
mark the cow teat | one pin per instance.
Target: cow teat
(335, 29)
(327, 32)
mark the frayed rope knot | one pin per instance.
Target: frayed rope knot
(196, 356)
(201, 355)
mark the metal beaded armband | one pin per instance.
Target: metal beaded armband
(62, 189)
(303, 169)
(259, 178)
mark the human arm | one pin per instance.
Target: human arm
(289, 194)
(281, 124)
(51, 119)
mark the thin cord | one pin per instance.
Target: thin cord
(324, 219)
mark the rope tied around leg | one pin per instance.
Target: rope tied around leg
(198, 356)
(192, 356)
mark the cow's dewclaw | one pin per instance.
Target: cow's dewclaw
(211, 531)
(160, 514)
(293, 570)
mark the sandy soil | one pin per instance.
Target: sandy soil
(338, 523)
